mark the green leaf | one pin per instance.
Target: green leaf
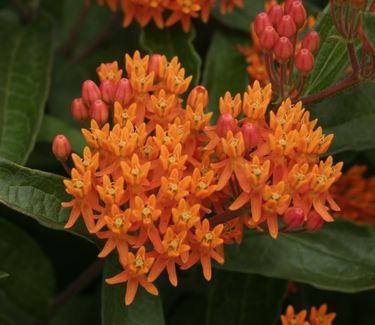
(225, 67)
(6, 321)
(3, 274)
(173, 41)
(242, 299)
(31, 284)
(352, 110)
(36, 194)
(240, 18)
(145, 309)
(368, 21)
(339, 257)
(25, 65)
(331, 60)
(51, 126)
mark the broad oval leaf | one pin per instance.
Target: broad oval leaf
(173, 42)
(352, 110)
(31, 282)
(25, 65)
(242, 299)
(339, 257)
(36, 194)
(225, 67)
(145, 309)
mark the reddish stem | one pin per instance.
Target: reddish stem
(224, 217)
(330, 91)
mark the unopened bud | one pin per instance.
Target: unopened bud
(293, 217)
(311, 41)
(304, 61)
(79, 110)
(314, 221)
(261, 22)
(275, 14)
(283, 49)
(286, 26)
(288, 4)
(225, 123)
(108, 90)
(124, 91)
(61, 147)
(90, 92)
(153, 64)
(250, 134)
(298, 12)
(99, 112)
(199, 94)
(269, 38)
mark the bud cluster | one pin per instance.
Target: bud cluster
(278, 30)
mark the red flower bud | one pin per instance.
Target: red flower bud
(311, 41)
(304, 61)
(298, 12)
(261, 22)
(225, 123)
(286, 26)
(61, 147)
(288, 4)
(99, 111)
(269, 38)
(294, 217)
(108, 90)
(250, 134)
(79, 110)
(275, 14)
(283, 49)
(153, 63)
(90, 92)
(314, 221)
(199, 94)
(124, 91)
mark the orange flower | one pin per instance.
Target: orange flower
(109, 71)
(320, 316)
(291, 318)
(175, 251)
(135, 273)
(209, 244)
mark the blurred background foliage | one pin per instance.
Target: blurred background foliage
(38, 263)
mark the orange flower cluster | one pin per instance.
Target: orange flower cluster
(356, 195)
(255, 55)
(143, 11)
(165, 189)
(317, 316)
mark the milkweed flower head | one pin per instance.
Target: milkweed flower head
(166, 190)
(165, 13)
(318, 316)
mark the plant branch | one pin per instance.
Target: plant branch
(82, 281)
(224, 217)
